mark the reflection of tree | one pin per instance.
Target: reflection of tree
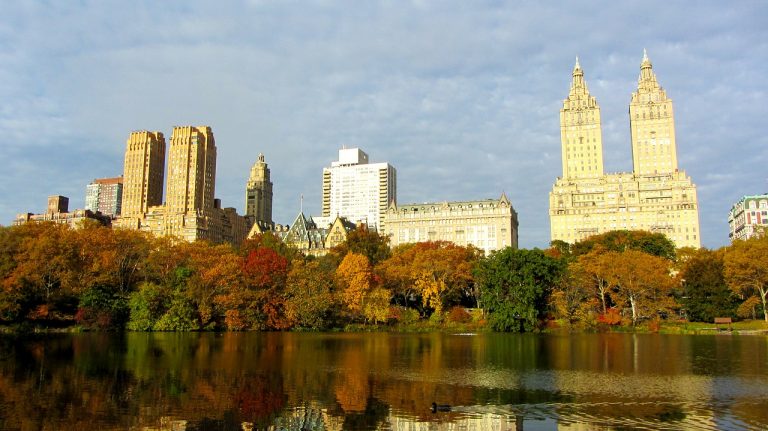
(354, 381)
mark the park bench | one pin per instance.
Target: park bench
(723, 321)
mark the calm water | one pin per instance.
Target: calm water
(299, 381)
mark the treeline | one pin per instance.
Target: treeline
(100, 278)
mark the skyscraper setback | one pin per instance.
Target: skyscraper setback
(656, 196)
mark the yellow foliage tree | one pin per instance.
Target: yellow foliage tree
(746, 268)
(354, 276)
(641, 280)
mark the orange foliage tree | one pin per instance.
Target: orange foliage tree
(257, 302)
(42, 275)
(354, 276)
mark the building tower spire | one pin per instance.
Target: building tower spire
(580, 132)
(578, 85)
(652, 125)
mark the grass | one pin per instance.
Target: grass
(746, 326)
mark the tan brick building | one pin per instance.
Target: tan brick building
(656, 196)
(190, 211)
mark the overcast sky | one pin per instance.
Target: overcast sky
(462, 98)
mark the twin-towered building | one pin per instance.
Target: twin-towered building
(190, 210)
(656, 196)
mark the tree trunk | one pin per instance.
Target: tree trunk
(763, 293)
(601, 289)
(634, 309)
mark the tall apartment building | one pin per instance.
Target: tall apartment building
(258, 195)
(190, 211)
(104, 195)
(142, 177)
(489, 224)
(656, 196)
(189, 188)
(358, 190)
(747, 216)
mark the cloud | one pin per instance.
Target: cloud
(462, 98)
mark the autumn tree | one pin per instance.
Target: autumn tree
(515, 286)
(438, 272)
(592, 269)
(258, 302)
(44, 274)
(354, 276)
(309, 300)
(271, 241)
(110, 262)
(746, 269)
(363, 241)
(656, 244)
(559, 249)
(573, 298)
(642, 281)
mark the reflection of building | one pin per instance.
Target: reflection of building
(487, 224)
(58, 212)
(104, 195)
(190, 211)
(258, 194)
(656, 196)
(357, 190)
(749, 213)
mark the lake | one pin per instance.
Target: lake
(334, 381)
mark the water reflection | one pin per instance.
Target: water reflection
(236, 381)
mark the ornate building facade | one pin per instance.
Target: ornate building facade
(747, 216)
(656, 196)
(307, 236)
(489, 225)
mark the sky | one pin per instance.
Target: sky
(461, 97)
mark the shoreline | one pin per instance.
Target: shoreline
(671, 329)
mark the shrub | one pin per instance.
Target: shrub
(459, 315)
(610, 317)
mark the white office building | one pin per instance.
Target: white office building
(358, 190)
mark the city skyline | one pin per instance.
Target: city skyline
(462, 100)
